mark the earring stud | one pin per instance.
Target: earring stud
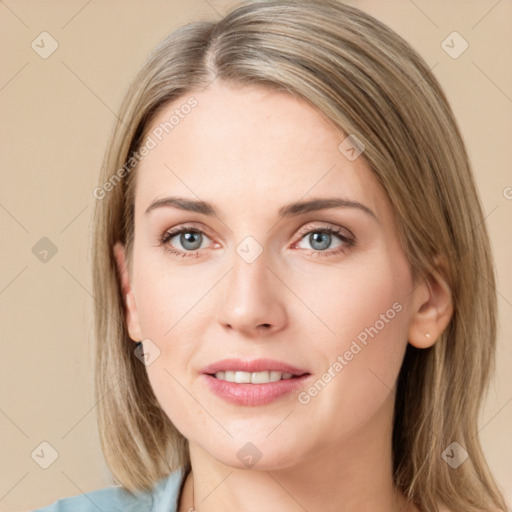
(428, 335)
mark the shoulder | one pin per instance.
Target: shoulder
(108, 499)
(163, 496)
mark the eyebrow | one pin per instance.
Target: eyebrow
(290, 210)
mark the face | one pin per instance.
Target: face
(328, 291)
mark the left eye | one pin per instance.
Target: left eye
(320, 240)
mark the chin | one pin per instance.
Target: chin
(258, 453)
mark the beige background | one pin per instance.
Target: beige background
(56, 114)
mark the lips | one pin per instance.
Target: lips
(256, 365)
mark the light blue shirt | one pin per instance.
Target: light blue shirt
(162, 498)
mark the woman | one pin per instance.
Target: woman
(295, 301)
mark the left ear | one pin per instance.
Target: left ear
(131, 313)
(432, 310)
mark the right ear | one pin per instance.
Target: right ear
(132, 317)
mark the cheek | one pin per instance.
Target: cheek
(171, 306)
(168, 296)
(361, 300)
(367, 311)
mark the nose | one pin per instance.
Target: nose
(252, 299)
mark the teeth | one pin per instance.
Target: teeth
(253, 378)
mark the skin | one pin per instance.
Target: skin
(250, 151)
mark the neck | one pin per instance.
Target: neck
(354, 476)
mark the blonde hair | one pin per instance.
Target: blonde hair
(370, 83)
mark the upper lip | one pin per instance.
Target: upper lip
(256, 365)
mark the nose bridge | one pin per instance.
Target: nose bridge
(251, 295)
(249, 274)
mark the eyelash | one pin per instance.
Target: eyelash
(348, 241)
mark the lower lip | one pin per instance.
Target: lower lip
(254, 394)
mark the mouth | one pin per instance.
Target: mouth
(264, 377)
(253, 383)
(256, 371)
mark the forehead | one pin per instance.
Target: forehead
(249, 145)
